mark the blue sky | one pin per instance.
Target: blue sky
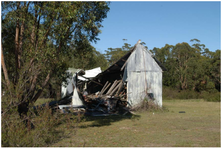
(160, 23)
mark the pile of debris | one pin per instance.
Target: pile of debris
(110, 100)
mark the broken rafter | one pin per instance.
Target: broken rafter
(124, 65)
(106, 88)
(117, 86)
(111, 88)
(120, 87)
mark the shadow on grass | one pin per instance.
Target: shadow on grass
(99, 121)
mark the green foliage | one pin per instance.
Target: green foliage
(85, 56)
(190, 69)
(36, 39)
(114, 54)
(212, 97)
(36, 43)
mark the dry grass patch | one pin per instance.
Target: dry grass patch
(199, 126)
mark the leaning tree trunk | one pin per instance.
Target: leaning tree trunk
(5, 70)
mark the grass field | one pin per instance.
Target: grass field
(199, 126)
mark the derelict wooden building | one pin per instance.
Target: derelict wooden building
(140, 71)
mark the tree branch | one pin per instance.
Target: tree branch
(47, 32)
(43, 86)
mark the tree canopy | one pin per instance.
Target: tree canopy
(190, 67)
(36, 39)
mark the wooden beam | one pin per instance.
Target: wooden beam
(120, 87)
(105, 89)
(112, 87)
(117, 86)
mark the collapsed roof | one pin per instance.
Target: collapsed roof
(116, 70)
(120, 64)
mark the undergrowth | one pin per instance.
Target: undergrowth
(39, 129)
(169, 93)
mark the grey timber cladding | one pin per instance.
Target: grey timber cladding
(141, 60)
(143, 75)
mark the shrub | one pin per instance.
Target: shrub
(37, 129)
(148, 105)
(212, 97)
(187, 94)
(169, 93)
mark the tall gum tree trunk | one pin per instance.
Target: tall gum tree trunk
(4, 68)
(17, 45)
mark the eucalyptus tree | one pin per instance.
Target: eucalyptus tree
(205, 68)
(85, 56)
(114, 54)
(35, 40)
(164, 55)
(215, 69)
(190, 67)
(184, 53)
